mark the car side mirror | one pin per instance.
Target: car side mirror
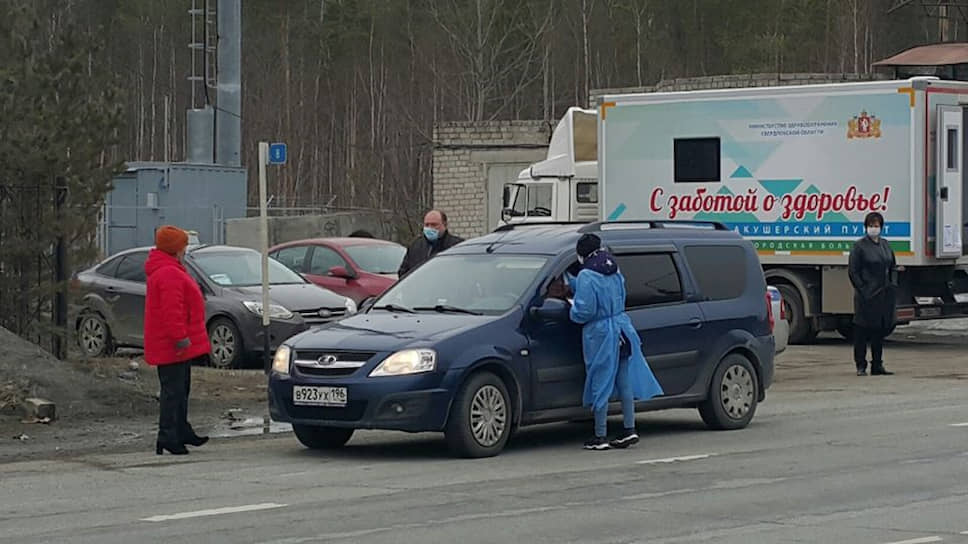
(341, 272)
(366, 304)
(552, 309)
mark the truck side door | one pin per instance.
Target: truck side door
(950, 185)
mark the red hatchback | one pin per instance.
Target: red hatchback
(357, 268)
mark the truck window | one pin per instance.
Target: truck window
(720, 271)
(697, 160)
(540, 199)
(650, 279)
(586, 193)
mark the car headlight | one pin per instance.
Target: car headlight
(350, 306)
(280, 363)
(275, 311)
(410, 361)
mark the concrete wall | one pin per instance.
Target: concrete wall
(472, 160)
(245, 232)
(737, 81)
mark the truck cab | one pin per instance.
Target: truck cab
(564, 186)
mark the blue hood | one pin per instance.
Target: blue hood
(602, 262)
(383, 331)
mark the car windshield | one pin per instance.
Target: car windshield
(381, 259)
(486, 284)
(243, 269)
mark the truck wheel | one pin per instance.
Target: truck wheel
(733, 395)
(322, 438)
(801, 328)
(480, 420)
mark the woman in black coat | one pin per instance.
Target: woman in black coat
(872, 270)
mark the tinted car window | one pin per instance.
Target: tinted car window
(720, 271)
(109, 268)
(324, 259)
(650, 279)
(293, 257)
(132, 268)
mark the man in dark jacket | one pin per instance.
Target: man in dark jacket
(434, 239)
(872, 267)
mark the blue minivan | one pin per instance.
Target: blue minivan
(474, 343)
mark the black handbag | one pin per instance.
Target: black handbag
(624, 347)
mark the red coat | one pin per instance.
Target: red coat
(174, 310)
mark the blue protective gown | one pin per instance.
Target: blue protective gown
(599, 306)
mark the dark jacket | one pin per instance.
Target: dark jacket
(872, 273)
(421, 250)
(174, 311)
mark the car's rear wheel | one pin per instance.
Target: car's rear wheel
(480, 420)
(94, 336)
(733, 394)
(226, 343)
(322, 438)
(802, 330)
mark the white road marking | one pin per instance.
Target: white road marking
(216, 511)
(675, 459)
(965, 424)
(923, 540)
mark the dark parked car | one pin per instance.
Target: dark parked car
(358, 268)
(472, 344)
(111, 313)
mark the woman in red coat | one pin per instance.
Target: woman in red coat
(175, 336)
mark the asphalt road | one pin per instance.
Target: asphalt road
(830, 457)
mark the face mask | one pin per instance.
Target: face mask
(431, 234)
(873, 232)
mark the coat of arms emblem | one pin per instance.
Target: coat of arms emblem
(864, 126)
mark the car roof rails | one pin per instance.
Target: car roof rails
(512, 226)
(652, 224)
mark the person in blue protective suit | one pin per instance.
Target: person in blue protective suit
(614, 363)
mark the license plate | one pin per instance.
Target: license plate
(318, 396)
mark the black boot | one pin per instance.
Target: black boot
(195, 440)
(174, 449)
(189, 437)
(879, 370)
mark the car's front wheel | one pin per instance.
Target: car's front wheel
(733, 394)
(322, 438)
(480, 420)
(226, 343)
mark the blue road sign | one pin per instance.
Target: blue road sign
(277, 153)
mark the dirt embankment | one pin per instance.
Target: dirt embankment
(105, 403)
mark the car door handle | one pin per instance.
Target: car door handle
(111, 289)
(695, 323)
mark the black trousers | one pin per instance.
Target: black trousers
(176, 384)
(874, 338)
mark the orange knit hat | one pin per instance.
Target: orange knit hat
(171, 239)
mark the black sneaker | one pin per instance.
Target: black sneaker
(626, 439)
(597, 443)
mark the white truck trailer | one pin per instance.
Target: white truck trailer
(793, 169)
